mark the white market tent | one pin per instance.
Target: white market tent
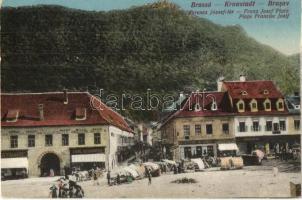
(171, 162)
(133, 172)
(199, 162)
(228, 147)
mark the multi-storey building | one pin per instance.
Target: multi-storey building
(252, 113)
(203, 122)
(261, 118)
(41, 132)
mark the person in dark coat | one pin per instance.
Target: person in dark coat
(108, 177)
(118, 179)
(149, 177)
(53, 191)
(175, 169)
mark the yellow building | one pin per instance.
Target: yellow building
(196, 130)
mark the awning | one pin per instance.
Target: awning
(8, 163)
(228, 147)
(96, 157)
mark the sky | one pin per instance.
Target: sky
(281, 34)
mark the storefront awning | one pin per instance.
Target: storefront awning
(228, 147)
(96, 157)
(9, 163)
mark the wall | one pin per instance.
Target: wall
(289, 121)
(115, 134)
(35, 153)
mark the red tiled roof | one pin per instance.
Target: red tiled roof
(222, 101)
(254, 89)
(56, 113)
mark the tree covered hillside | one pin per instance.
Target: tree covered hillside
(157, 46)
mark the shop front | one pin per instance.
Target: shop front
(88, 158)
(268, 144)
(14, 164)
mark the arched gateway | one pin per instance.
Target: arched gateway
(49, 162)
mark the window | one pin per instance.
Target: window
(282, 125)
(188, 152)
(255, 126)
(276, 127)
(242, 127)
(197, 129)
(240, 106)
(31, 141)
(81, 138)
(210, 150)
(280, 105)
(225, 128)
(12, 115)
(297, 124)
(80, 113)
(199, 151)
(269, 126)
(14, 141)
(48, 140)
(97, 138)
(209, 129)
(243, 92)
(267, 105)
(253, 104)
(65, 139)
(265, 92)
(186, 131)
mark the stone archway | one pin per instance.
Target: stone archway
(49, 161)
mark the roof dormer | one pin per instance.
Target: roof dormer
(254, 105)
(266, 92)
(280, 105)
(240, 106)
(267, 105)
(12, 115)
(243, 92)
(80, 114)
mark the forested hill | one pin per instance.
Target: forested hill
(157, 46)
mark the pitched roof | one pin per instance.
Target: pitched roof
(56, 113)
(205, 100)
(253, 89)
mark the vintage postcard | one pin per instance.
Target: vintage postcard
(150, 99)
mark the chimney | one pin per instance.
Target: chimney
(242, 78)
(65, 96)
(219, 83)
(41, 112)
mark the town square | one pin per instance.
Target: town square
(150, 99)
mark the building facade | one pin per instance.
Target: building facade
(261, 117)
(254, 114)
(41, 132)
(203, 122)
